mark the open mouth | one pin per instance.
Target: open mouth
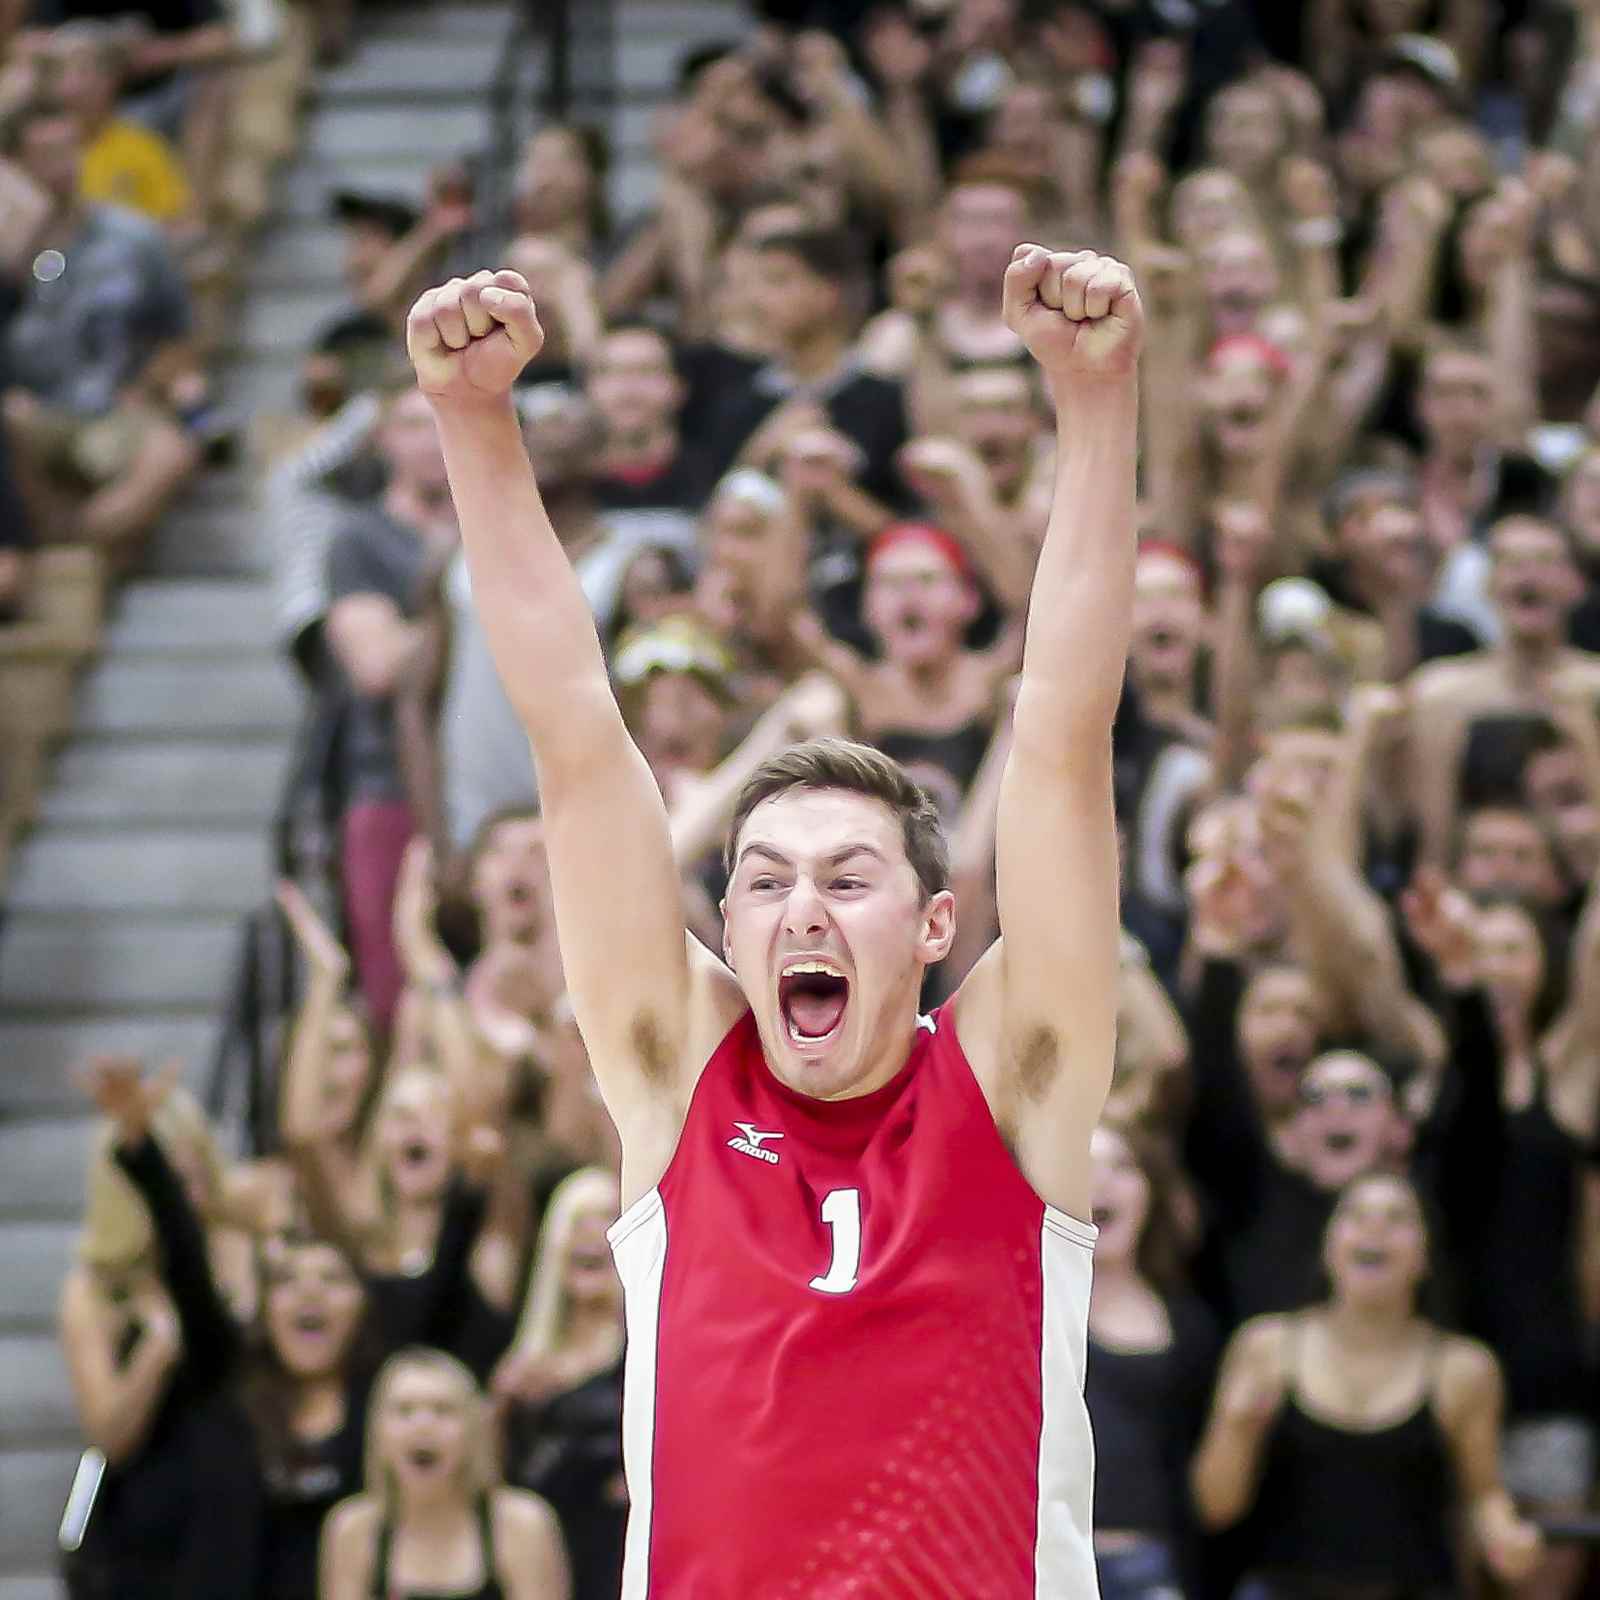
(519, 894)
(312, 1323)
(1286, 1061)
(1339, 1143)
(912, 622)
(1527, 597)
(812, 996)
(1367, 1256)
(588, 1260)
(416, 1153)
(423, 1457)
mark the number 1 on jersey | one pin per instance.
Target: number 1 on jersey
(841, 1210)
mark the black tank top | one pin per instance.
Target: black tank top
(959, 754)
(1521, 1293)
(1356, 1511)
(489, 1589)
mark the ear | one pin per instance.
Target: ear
(727, 940)
(938, 927)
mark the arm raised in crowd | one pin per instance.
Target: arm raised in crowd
(1226, 1472)
(646, 1003)
(1037, 1015)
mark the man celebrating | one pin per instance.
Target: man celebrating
(857, 1288)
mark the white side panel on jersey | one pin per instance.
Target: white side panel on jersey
(639, 1245)
(1063, 1557)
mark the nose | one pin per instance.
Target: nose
(803, 912)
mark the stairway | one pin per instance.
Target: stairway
(123, 904)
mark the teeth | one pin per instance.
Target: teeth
(825, 968)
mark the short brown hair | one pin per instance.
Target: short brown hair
(858, 769)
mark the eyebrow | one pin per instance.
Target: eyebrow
(767, 852)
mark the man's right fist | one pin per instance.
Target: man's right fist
(469, 338)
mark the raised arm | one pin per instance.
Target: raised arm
(1038, 1013)
(633, 983)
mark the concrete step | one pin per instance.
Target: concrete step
(298, 252)
(170, 615)
(402, 66)
(33, 1493)
(36, 1404)
(34, 1257)
(240, 696)
(40, 1056)
(44, 1160)
(69, 870)
(427, 133)
(286, 319)
(208, 542)
(64, 966)
(262, 384)
(32, 1586)
(122, 782)
(460, 21)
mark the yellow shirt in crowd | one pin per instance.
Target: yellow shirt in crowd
(127, 165)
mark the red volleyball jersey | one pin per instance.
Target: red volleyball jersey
(856, 1343)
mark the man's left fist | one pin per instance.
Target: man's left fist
(1078, 312)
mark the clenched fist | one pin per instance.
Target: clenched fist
(1078, 312)
(469, 338)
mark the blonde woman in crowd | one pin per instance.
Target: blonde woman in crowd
(562, 1381)
(435, 1522)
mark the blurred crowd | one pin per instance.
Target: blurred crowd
(1347, 1284)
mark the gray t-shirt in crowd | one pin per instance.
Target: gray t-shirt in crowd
(374, 553)
(78, 340)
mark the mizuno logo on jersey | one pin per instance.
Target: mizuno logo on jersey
(750, 1140)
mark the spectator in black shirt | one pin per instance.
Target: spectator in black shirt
(803, 288)
(16, 538)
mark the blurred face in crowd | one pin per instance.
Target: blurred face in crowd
(424, 1430)
(1208, 204)
(1376, 1250)
(1023, 127)
(1557, 790)
(1347, 1123)
(793, 301)
(413, 1134)
(1238, 396)
(1533, 580)
(590, 1274)
(822, 875)
(1456, 403)
(1388, 547)
(86, 80)
(1246, 132)
(313, 1305)
(366, 243)
(511, 882)
(681, 723)
(1279, 1023)
(633, 384)
(917, 606)
(555, 183)
(347, 1069)
(409, 442)
(51, 153)
(1457, 157)
(562, 434)
(996, 417)
(1581, 506)
(1505, 852)
(1240, 280)
(1119, 1196)
(1390, 18)
(652, 588)
(980, 225)
(1168, 614)
(1510, 953)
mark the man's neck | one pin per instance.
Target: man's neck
(574, 518)
(1163, 702)
(1454, 468)
(1529, 659)
(816, 356)
(644, 451)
